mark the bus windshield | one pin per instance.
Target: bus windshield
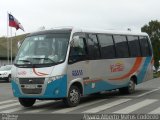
(46, 49)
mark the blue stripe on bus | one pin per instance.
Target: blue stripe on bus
(15, 89)
(144, 68)
(101, 86)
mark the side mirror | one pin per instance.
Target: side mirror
(75, 40)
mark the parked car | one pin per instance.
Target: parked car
(5, 72)
(154, 69)
(158, 70)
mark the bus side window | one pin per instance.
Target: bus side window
(93, 47)
(78, 50)
(134, 46)
(121, 46)
(145, 48)
(107, 46)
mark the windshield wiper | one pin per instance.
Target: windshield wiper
(49, 59)
(26, 61)
(45, 58)
(25, 65)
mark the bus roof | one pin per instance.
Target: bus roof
(51, 31)
(73, 30)
(110, 32)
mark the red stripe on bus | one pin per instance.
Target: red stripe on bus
(135, 67)
(39, 73)
(90, 81)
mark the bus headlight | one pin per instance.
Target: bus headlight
(51, 79)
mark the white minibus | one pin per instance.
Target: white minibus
(67, 63)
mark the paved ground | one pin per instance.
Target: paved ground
(146, 100)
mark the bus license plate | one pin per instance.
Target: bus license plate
(30, 86)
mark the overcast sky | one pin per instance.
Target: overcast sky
(101, 14)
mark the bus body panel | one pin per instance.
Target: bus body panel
(93, 75)
(101, 75)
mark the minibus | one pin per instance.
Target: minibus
(68, 63)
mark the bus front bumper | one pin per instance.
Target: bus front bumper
(53, 90)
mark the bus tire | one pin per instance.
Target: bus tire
(27, 102)
(73, 98)
(129, 89)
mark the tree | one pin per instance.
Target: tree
(153, 30)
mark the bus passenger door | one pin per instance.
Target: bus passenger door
(96, 66)
(78, 64)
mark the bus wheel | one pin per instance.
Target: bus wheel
(27, 102)
(130, 88)
(73, 98)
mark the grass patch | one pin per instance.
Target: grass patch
(3, 45)
(156, 75)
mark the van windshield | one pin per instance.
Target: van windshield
(5, 68)
(46, 49)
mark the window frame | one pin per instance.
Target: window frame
(81, 35)
(98, 45)
(140, 52)
(111, 35)
(149, 46)
(125, 36)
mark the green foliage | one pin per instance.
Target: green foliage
(156, 75)
(153, 30)
(4, 43)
